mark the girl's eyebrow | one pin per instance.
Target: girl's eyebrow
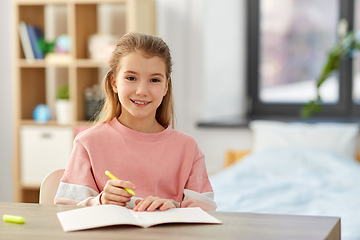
(157, 74)
(129, 71)
(154, 74)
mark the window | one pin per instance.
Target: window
(356, 63)
(288, 42)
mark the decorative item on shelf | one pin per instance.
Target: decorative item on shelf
(101, 46)
(60, 53)
(347, 46)
(45, 46)
(41, 114)
(93, 102)
(63, 44)
(63, 105)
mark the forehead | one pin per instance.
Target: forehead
(140, 63)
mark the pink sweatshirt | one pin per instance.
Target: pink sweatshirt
(168, 165)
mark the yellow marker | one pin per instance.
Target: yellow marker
(110, 175)
(13, 219)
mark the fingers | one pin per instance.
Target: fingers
(110, 198)
(114, 193)
(122, 204)
(122, 184)
(117, 187)
(151, 203)
(167, 205)
(142, 205)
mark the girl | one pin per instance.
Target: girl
(135, 139)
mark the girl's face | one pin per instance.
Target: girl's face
(141, 85)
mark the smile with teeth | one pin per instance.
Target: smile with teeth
(137, 102)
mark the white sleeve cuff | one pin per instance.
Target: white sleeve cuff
(206, 197)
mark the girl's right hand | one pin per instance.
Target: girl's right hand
(114, 192)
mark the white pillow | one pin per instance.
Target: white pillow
(336, 137)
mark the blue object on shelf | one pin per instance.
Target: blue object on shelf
(41, 114)
(35, 34)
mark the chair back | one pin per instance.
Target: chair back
(49, 187)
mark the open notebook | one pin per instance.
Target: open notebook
(107, 215)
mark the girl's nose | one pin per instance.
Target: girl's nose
(142, 89)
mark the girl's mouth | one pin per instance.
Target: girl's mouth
(139, 102)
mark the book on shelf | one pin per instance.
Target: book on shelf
(109, 215)
(25, 41)
(35, 34)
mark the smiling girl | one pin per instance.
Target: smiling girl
(135, 139)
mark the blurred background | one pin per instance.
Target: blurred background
(212, 71)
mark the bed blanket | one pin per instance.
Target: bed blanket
(293, 180)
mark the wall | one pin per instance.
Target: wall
(6, 109)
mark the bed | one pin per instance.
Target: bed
(295, 168)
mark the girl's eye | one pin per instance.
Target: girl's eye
(154, 80)
(131, 78)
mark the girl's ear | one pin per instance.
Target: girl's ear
(113, 84)
(166, 87)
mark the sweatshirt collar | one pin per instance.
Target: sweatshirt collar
(139, 136)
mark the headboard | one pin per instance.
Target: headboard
(340, 138)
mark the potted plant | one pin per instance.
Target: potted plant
(62, 105)
(347, 46)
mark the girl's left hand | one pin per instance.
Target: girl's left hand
(151, 203)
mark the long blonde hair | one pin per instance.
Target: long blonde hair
(150, 46)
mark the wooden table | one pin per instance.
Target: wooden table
(42, 223)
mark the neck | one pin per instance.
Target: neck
(141, 125)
